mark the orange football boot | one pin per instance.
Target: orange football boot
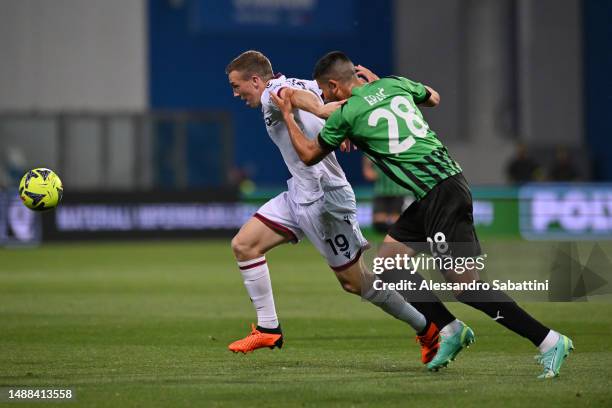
(430, 342)
(259, 338)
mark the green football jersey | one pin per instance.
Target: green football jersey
(382, 119)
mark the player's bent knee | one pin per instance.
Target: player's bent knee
(244, 249)
(350, 288)
(350, 280)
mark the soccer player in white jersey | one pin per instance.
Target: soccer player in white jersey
(319, 204)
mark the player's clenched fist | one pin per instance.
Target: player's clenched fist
(283, 103)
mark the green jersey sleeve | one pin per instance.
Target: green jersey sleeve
(336, 129)
(417, 89)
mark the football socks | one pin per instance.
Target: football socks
(393, 303)
(259, 286)
(500, 307)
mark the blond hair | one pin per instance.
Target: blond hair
(251, 63)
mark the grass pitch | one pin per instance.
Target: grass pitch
(147, 324)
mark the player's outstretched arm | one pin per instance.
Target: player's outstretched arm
(309, 151)
(309, 102)
(365, 74)
(433, 100)
(303, 100)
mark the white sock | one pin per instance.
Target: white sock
(393, 303)
(549, 341)
(259, 286)
(452, 328)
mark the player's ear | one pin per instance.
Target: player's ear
(255, 80)
(333, 85)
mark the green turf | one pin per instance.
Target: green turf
(147, 324)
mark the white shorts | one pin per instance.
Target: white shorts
(330, 223)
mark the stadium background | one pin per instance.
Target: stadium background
(128, 101)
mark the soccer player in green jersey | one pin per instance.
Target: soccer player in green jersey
(382, 119)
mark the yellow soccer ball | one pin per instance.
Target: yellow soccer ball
(41, 189)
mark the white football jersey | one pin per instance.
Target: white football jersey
(308, 182)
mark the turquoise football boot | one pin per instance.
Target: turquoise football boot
(553, 359)
(451, 346)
